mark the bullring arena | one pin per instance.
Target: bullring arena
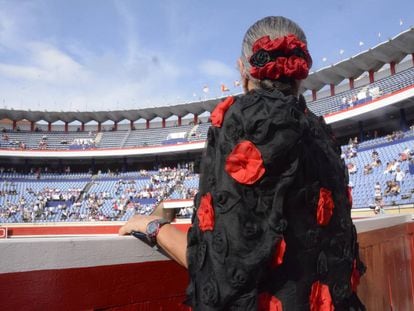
(69, 180)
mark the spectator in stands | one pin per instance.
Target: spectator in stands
(367, 169)
(379, 204)
(400, 134)
(395, 188)
(255, 239)
(399, 176)
(375, 155)
(405, 154)
(352, 168)
(376, 161)
(356, 143)
(411, 166)
(344, 103)
(396, 164)
(388, 186)
(350, 152)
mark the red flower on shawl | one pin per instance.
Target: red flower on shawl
(320, 298)
(349, 195)
(267, 302)
(205, 213)
(279, 253)
(218, 113)
(245, 163)
(325, 207)
(355, 276)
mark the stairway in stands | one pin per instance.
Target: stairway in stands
(123, 141)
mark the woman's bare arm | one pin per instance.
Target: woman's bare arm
(169, 238)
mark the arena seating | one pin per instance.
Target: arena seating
(386, 85)
(159, 136)
(111, 139)
(109, 196)
(153, 137)
(85, 197)
(364, 184)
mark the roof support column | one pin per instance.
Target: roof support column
(392, 68)
(99, 126)
(313, 95)
(371, 76)
(163, 122)
(412, 56)
(351, 83)
(32, 126)
(14, 125)
(195, 119)
(147, 125)
(179, 121)
(49, 126)
(131, 125)
(332, 86)
(115, 126)
(403, 120)
(82, 127)
(66, 126)
(361, 131)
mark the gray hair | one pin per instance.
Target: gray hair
(274, 27)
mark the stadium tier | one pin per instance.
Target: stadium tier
(48, 197)
(363, 94)
(53, 170)
(187, 133)
(84, 197)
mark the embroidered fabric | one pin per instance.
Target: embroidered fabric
(280, 236)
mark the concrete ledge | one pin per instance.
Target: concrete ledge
(31, 254)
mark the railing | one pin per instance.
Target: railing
(110, 272)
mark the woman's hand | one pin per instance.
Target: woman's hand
(169, 238)
(136, 223)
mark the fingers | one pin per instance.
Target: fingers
(136, 223)
(128, 227)
(123, 230)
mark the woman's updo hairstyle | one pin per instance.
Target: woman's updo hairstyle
(274, 27)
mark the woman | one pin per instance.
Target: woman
(272, 228)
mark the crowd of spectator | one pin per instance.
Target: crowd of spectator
(363, 96)
(34, 205)
(82, 143)
(395, 135)
(351, 149)
(139, 194)
(396, 176)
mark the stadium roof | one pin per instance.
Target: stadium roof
(393, 50)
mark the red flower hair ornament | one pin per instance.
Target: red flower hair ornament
(218, 113)
(320, 298)
(205, 213)
(245, 163)
(285, 56)
(325, 207)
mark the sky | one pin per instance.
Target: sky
(92, 55)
